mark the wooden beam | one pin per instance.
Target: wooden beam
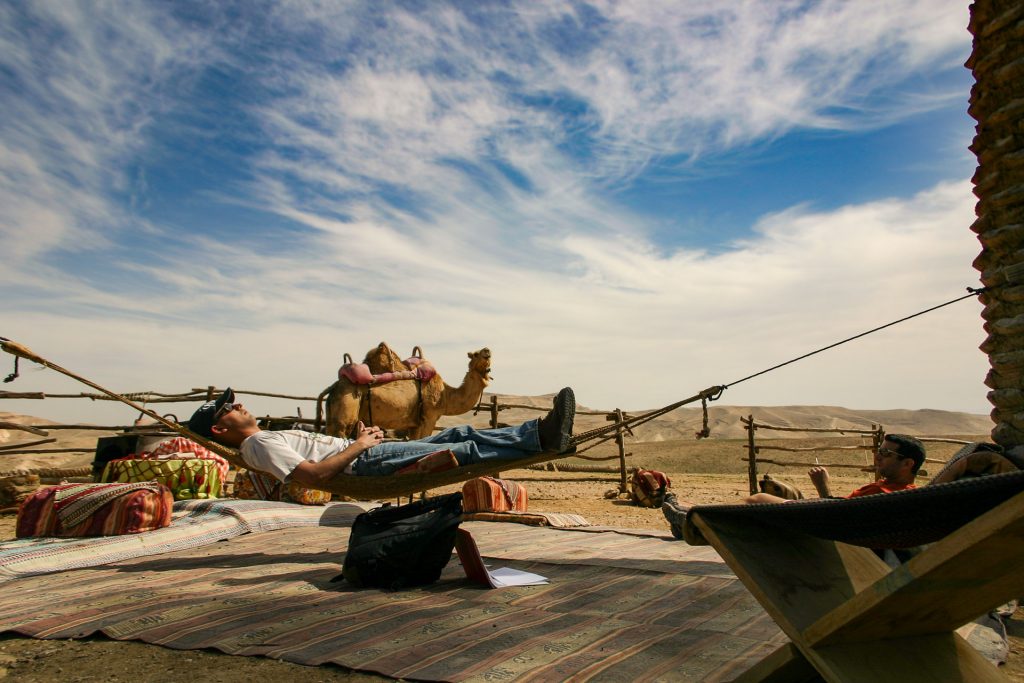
(785, 665)
(23, 428)
(27, 444)
(827, 430)
(942, 657)
(853, 619)
(797, 578)
(976, 568)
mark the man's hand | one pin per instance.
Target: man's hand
(820, 479)
(369, 436)
(318, 475)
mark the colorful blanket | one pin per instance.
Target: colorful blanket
(77, 502)
(619, 606)
(558, 519)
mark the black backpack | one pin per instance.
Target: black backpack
(398, 547)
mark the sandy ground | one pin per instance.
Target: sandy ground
(721, 477)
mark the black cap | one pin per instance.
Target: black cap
(203, 419)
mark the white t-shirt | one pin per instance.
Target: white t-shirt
(278, 453)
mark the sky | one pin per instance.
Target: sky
(635, 199)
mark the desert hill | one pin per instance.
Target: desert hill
(65, 438)
(724, 420)
(679, 425)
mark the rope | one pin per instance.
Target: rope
(715, 392)
(16, 349)
(971, 290)
(709, 394)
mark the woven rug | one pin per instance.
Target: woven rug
(195, 523)
(618, 608)
(559, 519)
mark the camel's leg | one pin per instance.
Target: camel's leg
(343, 410)
(425, 427)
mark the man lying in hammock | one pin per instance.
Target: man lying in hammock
(896, 464)
(313, 460)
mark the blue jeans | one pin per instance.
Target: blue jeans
(468, 444)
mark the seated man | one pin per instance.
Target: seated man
(896, 464)
(313, 460)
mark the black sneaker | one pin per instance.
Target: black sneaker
(555, 428)
(675, 514)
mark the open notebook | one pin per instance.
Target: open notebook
(477, 571)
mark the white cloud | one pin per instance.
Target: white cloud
(436, 199)
(660, 328)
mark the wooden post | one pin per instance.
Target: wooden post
(494, 423)
(622, 451)
(876, 443)
(752, 456)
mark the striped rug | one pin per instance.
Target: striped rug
(194, 523)
(619, 607)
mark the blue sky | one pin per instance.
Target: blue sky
(637, 199)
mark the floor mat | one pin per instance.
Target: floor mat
(195, 523)
(618, 607)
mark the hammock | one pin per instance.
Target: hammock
(393, 486)
(362, 487)
(376, 487)
(902, 519)
(850, 616)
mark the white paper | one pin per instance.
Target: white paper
(506, 576)
(476, 570)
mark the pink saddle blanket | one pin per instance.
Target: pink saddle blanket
(359, 373)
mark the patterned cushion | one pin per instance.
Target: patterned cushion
(186, 478)
(438, 461)
(95, 510)
(187, 449)
(251, 485)
(487, 494)
(555, 519)
(648, 487)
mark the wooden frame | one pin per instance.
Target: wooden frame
(753, 450)
(851, 618)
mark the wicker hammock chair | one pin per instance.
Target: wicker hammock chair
(849, 615)
(902, 519)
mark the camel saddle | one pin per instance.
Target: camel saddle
(359, 373)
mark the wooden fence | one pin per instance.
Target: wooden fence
(492, 407)
(876, 434)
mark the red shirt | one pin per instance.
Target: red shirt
(880, 486)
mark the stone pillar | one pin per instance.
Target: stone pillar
(997, 104)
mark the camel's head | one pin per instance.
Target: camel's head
(480, 362)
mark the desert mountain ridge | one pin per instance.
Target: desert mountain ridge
(679, 425)
(724, 420)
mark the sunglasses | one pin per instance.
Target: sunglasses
(888, 451)
(223, 410)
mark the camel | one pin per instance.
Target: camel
(404, 405)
